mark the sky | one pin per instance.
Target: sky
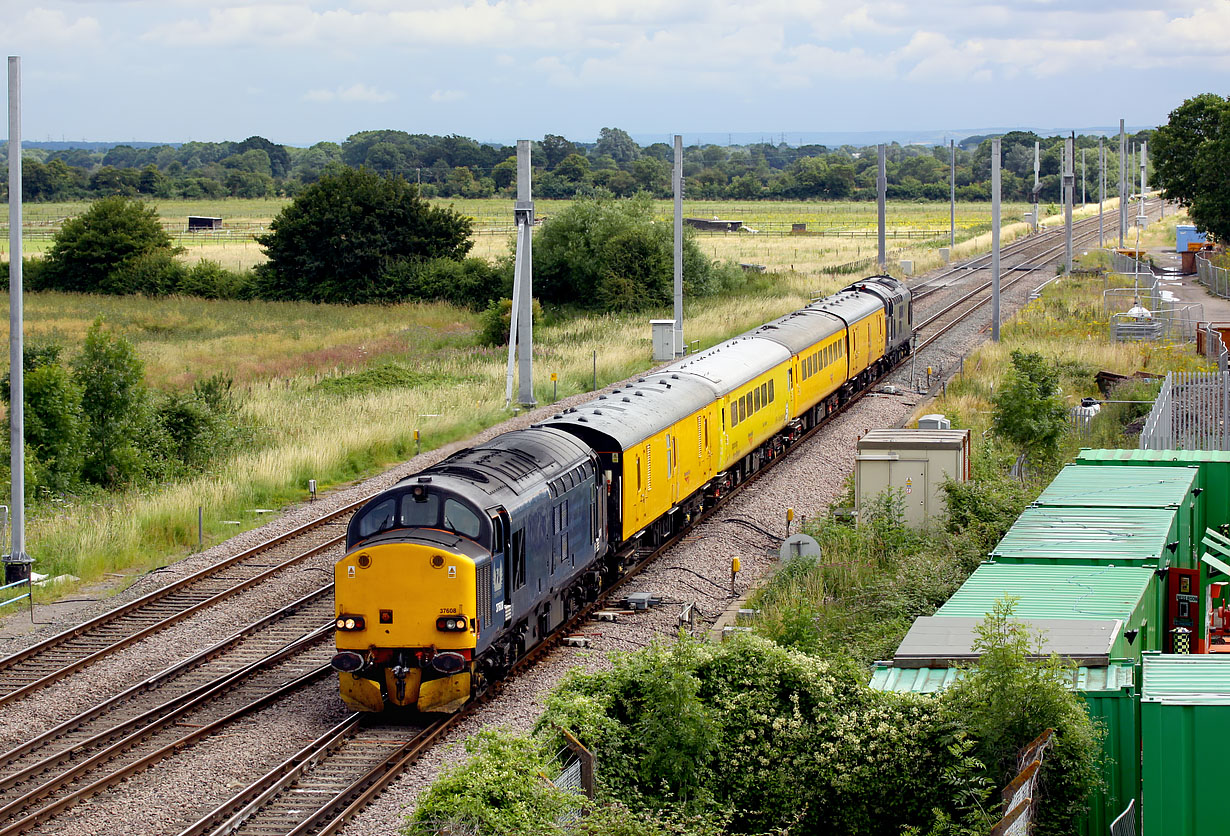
(302, 71)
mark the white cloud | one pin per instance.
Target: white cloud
(353, 93)
(447, 95)
(51, 27)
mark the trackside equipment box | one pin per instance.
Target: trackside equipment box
(914, 463)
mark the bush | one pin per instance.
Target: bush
(496, 321)
(112, 234)
(336, 240)
(210, 280)
(152, 274)
(53, 430)
(501, 790)
(116, 407)
(470, 283)
(1008, 700)
(607, 254)
(198, 427)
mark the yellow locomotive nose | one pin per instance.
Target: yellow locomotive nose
(406, 626)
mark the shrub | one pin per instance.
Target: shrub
(496, 321)
(152, 274)
(53, 429)
(113, 233)
(115, 404)
(471, 283)
(501, 790)
(210, 280)
(1008, 700)
(607, 254)
(335, 241)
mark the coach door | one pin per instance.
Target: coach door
(501, 589)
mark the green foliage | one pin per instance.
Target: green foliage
(1010, 699)
(469, 283)
(788, 742)
(198, 427)
(497, 320)
(608, 254)
(210, 280)
(91, 249)
(1029, 407)
(384, 376)
(338, 238)
(1189, 154)
(858, 601)
(52, 419)
(501, 790)
(116, 408)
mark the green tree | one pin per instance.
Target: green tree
(53, 421)
(618, 144)
(1010, 699)
(334, 242)
(609, 254)
(1029, 409)
(115, 403)
(112, 233)
(1189, 157)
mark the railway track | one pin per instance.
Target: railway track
(96, 754)
(62, 654)
(976, 297)
(1029, 246)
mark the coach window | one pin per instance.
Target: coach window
(771, 398)
(764, 394)
(756, 399)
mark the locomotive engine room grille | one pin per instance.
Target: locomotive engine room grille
(484, 594)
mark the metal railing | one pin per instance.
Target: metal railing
(1190, 413)
(1215, 347)
(25, 596)
(1216, 279)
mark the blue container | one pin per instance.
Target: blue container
(1188, 234)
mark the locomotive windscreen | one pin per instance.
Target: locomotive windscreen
(424, 510)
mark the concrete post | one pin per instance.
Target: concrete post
(17, 564)
(995, 190)
(881, 197)
(952, 196)
(678, 183)
(524, 213)
(1122, 184)
(1069, 189)
(1101, 190)
(1037, 182)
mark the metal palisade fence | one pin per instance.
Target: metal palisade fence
(1216, 279)
(1190, 413)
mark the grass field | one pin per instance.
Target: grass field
(839, 233)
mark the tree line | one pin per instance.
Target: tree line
(456, 166)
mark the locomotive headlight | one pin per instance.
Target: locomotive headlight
(350, 624)
(341, 624)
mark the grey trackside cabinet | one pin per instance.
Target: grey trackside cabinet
(914, 463)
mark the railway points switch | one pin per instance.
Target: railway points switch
(606, 615)
(642, 600)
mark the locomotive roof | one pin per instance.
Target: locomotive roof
(516, 461)
(632, 413)
(800, 330)
(728, 365)
(850, 305)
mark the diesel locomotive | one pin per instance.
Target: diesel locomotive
(454, 573)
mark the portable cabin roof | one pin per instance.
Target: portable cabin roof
(1085, 592)
(1119, 487)
(935, 641)
(885, 677)
(1186, 680)
(800, 330)
(627, 415)
(1145, 457)
(1112, 536)
(727, 366)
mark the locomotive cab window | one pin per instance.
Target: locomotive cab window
(380, 517)
(460, 519)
